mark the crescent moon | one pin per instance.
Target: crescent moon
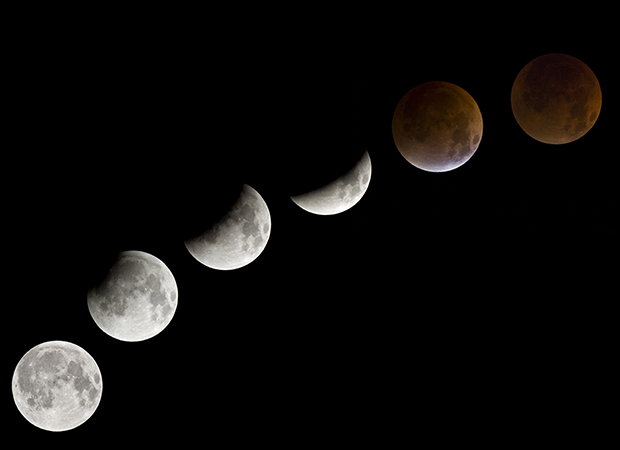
(238, 238)
(341, 194)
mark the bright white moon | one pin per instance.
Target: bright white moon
(137, 299)
(57, 386)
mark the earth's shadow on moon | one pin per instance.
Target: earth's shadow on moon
(99, 266)
(201, 208)
(304, 174)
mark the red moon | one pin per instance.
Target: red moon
(556, 99)
(437, 126)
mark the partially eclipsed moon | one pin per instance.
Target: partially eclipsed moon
(341, 194)
(57, 386)
(238, 238)
(137, 299)
(437, 126)
(556, 98)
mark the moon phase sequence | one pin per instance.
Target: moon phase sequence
(238, 238)
(137, 299)
(341, 194)
(57, 386)
(556, 98)
(437, 126)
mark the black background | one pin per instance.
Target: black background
(466, 306)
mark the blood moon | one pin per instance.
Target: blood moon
(437, 126)
(556, 98)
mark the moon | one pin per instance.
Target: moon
(136, 300)
(437, 126)
(556, 98)
(238, 238)
(341, 194)
(57, 386)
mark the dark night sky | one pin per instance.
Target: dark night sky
(458, 298)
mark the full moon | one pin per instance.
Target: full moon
(556, 99)
(437, 126)
(57, 386)
(238, 238)
(136, 300)
(341, 194)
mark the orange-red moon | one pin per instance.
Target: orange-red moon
(437, 126)
(556, 98)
